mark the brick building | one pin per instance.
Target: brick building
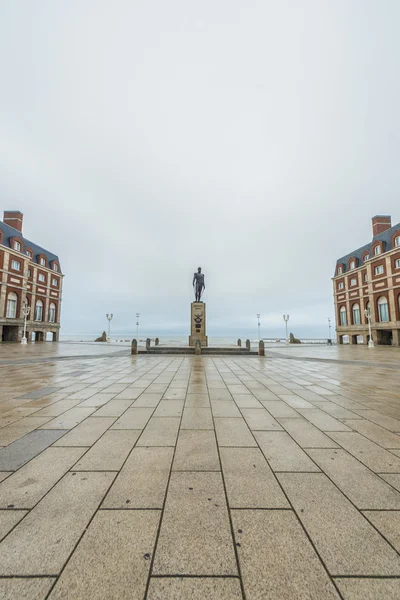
(30, 276)
(369, 279)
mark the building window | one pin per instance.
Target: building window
(41, 277)
(383, 310)
(15, 265)
(43, 262)
(17, 246)
(366, 257)
(52, 313)
(377, 250)
(340, 285)
(352, 265)
(397, 263)
(379, 270)
(39, 310)
(12, 301)
(397, 241)
(365, 278)
(356, 314)
(343, 317)
(28, 253)
(54, 282)
(29, 272)
(55, 267)
(353, 281)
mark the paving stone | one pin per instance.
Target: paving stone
(27, 447)
(69, 419)
(199, 542)
(376, 417)
(43, 541)
(249, 481)
(31, 482)
(198, 588)
(225, 408)
(370, 454)
(143, 480)
(113, 558)
(134, 418)
(174, 394)
(322, 420)
(233, 432)
(197, 418)
(279, 409)
(282, 452)
(160, 431)
(365, 489)
(258, 419)
(34, 395)
(336, 411)
(197, 400)
(109, 452)
(196, 451)
(8, 520)
(129, 394)
(295, 401)
(114, 408)
(34, 588)
(147, 400)
(5, 474)
(375, 433)
(264, 394)
(369, 589)
(97, 400)
(393, 479)
(276, 559)
(306, 435)
(220, 394)
(87, 433)
(17, 430)
(387, 523)
(247, 401)
(169, 408)
(56, 409)
(345, 540)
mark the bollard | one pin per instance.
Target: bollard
(261, 348)
(148, 343)
(248, 344)
(197, 347)
(134, 347)
(239, 342)
(157, 341)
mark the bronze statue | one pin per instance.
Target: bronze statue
(198, 284)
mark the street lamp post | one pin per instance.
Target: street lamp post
(329, 325)
(25, 311)
(286, 319)
(109, 317)
(258, 321)
(371, 341)
(137, 326)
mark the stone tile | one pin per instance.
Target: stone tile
(295, 401)
(369, 589)
(87, 433)
(147, 400)
(370, 454)
(376, 417)
(44, 391)
(110, 560)
(42, 542)
(375, 433)
(322, 420)
(258, 419)
(306, 435)
(198, 588)
(160, 431)
(97, 400)
(169, 408)
(276, 559)
(196, 451)
(365, 489)
(387, 523)
(109, 452)
(238, 388)
(69, 419)
(31, 482)
(199, 542)
(174, 394)
(336, 411)
(23, 450)
(143, 480)
(197, 400)
(282, 452)
(21, 428)
(56, 409)
(249, 481)
(197, 418)
(247, 401)
(225, 408)
(129, 394)
(345, 540)
(220, 394)
(34, 588)
(264, 394)
(8, 520)
(233, 432)
(114, 408)
(393, 479)
(5, 474)
(279, 409)
(134, 418)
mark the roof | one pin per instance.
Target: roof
(10, 232)
(385, 236)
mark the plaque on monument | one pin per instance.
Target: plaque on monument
(198, 312)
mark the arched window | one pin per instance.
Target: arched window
(12, 302)
(39, 310)
(356, 314)
(52, 313)
(343, 317)
(383, 309)
(397, 241)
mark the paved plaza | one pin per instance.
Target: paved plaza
(180, 477)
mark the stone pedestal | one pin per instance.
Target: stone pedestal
(198, 324)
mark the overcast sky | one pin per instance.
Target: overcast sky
(142, 139)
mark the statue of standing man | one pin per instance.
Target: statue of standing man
(198, 284)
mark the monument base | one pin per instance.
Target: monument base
(198, 324)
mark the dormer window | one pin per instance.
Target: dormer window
(397, 241)
(366, 257)
(352, 264)
(28, 253)
(42, 262)
(377, 250)
(55, 267)
(17, 246)
(340, 270)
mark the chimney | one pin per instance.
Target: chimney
(381, 223)
(13, 218)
